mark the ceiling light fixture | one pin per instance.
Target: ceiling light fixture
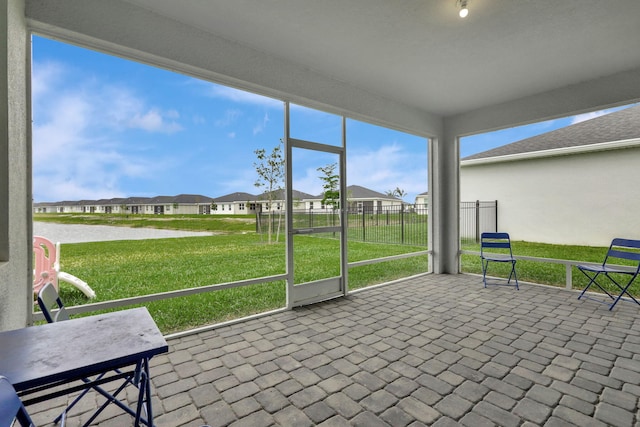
(463, 9)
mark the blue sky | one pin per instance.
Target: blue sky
(107, 127)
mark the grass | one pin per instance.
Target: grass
(123, 269)
(212, 223)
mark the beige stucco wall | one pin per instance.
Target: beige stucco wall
(15, 185)
(583, 199)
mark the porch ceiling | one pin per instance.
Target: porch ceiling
(421, 54)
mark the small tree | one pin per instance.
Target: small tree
(397, 192)
(270, 170)
(331, 180)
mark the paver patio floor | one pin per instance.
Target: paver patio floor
(432, 350)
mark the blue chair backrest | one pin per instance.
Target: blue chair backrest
(623, 249)
(11, 407)
(495, 241)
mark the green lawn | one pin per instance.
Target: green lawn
(213, 223)
(123, 269)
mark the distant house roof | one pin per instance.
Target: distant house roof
(618, 126)
(358, 192)
(354, 192)
(137, 200)
(280, 195)
(191, 198)
(117, 201)
(236, 197)
(161, 200)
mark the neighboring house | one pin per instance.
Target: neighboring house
(188, 204)
(245, 203)
(138, 205)
(234, 204)
(421, 203)
(300, 200)
(237, 203)
(176, 205)
(575, 185)
(361, 199)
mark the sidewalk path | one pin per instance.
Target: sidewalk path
(78, 233)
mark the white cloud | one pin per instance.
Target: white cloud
(382, 169)
(592, 115)
(240, 96)
(77, 151)
(261, 125)
(172, 114)
(154, 121)
(43, 76)
(308, 182)
(388, 167)
(230, 117)
(120, 108)
(588, 116)
(242, 180)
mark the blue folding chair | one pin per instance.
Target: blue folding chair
(620, 251)
(499, 246)
(11, 407)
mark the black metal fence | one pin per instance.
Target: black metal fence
(389, 224)
(406, 225)
(476, 218)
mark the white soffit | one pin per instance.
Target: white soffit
(420, 53)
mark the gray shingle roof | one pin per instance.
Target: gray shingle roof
(191, 198)
(618, 126)
(280, 195)
(358, 192)
(161, 200)
(236, 197)
(137, 200)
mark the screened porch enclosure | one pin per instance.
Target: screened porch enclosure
(405, 67)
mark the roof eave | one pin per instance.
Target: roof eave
(555, 152)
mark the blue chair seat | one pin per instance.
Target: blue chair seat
(621, 277)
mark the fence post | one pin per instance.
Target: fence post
(496, 215)
(477, 221)
(402, 223)
(364, 221)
